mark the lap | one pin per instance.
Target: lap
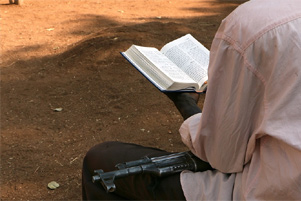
(142, 186)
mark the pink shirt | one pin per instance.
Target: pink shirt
(250, 128)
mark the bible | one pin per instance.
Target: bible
(180, 66)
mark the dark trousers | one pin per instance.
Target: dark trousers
(135, 187)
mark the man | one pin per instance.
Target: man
(250, 128)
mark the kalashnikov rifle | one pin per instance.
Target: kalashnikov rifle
(159, 166)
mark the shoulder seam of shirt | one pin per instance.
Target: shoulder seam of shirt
(241, 51)
(242, 48)
(269, 28)
(259, 35)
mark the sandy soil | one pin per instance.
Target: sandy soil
(64, 55)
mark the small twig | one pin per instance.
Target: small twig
(11, 64)
(37, 169)
(59, 163)
(74, 159)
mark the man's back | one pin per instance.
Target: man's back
(251, 122)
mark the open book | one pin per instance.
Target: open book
(181, 65)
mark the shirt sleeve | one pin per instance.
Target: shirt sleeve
(220, 134)
(189, 130)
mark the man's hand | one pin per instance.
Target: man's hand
(186, 103)
(175, 96)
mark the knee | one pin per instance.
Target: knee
(100, 150)
(99, 155)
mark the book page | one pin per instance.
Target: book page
(163, 64)
(147, 69)
(189, 55)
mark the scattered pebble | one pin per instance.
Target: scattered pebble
(59, 109)
(53, 185)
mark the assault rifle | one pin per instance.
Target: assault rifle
(159, 166)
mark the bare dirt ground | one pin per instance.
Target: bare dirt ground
(65, 87)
